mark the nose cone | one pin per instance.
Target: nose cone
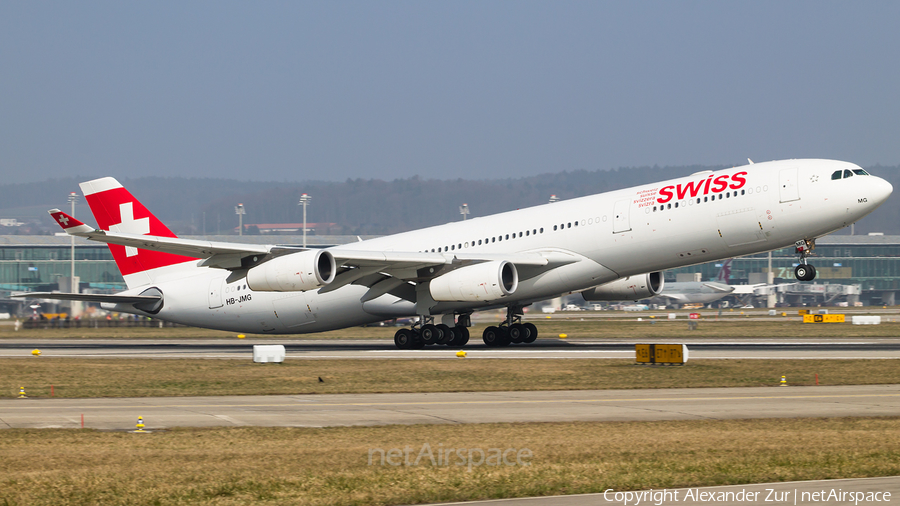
(881, 190)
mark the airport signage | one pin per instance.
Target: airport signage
(823, 318)
(694, 316)
(661, 354)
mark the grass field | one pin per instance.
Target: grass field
(606, 327)
(331, 466)
(74, 377)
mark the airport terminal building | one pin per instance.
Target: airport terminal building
(870, 262)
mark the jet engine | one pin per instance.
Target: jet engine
(296, 272)
(631, 288)
(479, 282)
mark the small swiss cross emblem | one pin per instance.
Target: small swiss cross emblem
(63, 220)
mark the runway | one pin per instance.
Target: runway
(454, 408)
(772, 349)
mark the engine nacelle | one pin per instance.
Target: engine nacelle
(479, 282)
(296, 272)
(638, 287)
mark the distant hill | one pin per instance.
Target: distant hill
(363, 206)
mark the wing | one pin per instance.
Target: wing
(381, 271)
(718, 287)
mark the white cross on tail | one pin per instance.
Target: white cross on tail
(129, 225)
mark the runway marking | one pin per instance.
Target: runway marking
(491, 401)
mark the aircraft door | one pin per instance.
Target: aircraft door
(787, 185)
(215, 293)
(621, 220)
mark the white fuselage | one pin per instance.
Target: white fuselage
(610, 235)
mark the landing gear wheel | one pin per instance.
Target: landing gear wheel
(495, 337)
(517, 333)
(463, 336)
(447, 335)
(532, 333)
(490, 336)
(405, 339)
(430, 334)
(805, 272)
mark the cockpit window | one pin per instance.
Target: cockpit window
(847, 173)
(836, 174)
(860, 172)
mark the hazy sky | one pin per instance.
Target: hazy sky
(333, 90)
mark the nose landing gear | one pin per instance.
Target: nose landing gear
(805, 271)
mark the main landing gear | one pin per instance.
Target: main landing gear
(510, 331)
(805, 271)
(428, 333)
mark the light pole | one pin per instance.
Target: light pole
(304, 201)
(239, 210)
(464, 211)
(74, 306)
(73, 197)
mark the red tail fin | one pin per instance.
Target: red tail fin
(116, 210)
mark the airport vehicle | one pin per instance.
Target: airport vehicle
(610, 246)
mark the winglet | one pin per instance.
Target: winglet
(69, 223)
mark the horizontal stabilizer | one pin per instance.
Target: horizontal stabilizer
(90, 297)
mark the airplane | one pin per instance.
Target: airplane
(697, 292)
(609, 246)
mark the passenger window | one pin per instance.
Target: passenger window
(507, 236)
(847, 174)
(479, 242)
(526, 233)
(654, 209)
(836, 175)
(554, 228)
(669, 206)
(698, 200)
(705, 199)
(676, 205)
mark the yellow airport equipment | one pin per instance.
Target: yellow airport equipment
(661, 354)
(36, 353)
(461, 354)
(823, 318)
(139, 425)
